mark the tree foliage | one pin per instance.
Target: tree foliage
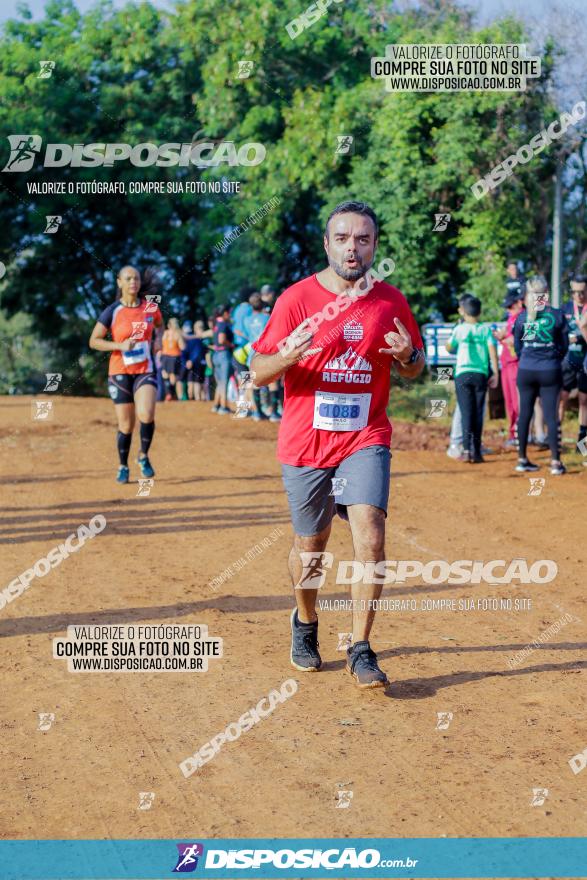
(139, 74)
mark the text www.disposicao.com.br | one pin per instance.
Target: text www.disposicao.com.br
(143, 664)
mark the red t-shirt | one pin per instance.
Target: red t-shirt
(335, 401)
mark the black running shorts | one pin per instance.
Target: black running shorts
(574, 376)
(122, 386)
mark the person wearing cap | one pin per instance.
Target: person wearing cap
(513, 304)
(516, 281)
(268, 297)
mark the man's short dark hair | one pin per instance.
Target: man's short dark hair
(354, 208)
(471, 305)
(578, 277)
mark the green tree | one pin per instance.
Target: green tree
(140, 75)
(24, 356)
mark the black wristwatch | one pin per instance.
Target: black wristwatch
(415, 355)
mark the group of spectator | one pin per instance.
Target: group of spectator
(210, 363)
(543, 359)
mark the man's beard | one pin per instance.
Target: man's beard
(350, 274)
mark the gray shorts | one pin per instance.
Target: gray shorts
(362, 478)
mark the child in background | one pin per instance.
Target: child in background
(475, 350)
(509, 366)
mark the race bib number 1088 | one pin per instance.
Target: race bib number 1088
(341, 412)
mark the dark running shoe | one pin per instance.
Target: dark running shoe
(123, 474)
(362, 664)
(557, 469)
(304, 645)
(524, 465)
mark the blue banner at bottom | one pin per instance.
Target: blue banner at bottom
(365, 857)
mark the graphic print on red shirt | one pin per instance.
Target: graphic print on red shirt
(335, 400)
(139, 322)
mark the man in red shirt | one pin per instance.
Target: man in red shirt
(335, 336)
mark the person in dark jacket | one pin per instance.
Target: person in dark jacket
(541, 341)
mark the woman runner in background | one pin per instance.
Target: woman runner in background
(172, 346)
(131, 321)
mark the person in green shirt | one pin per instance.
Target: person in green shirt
(475, 349)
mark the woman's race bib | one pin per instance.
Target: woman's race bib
(136, 355)
(341, 412)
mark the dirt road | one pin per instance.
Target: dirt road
(217, 493)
